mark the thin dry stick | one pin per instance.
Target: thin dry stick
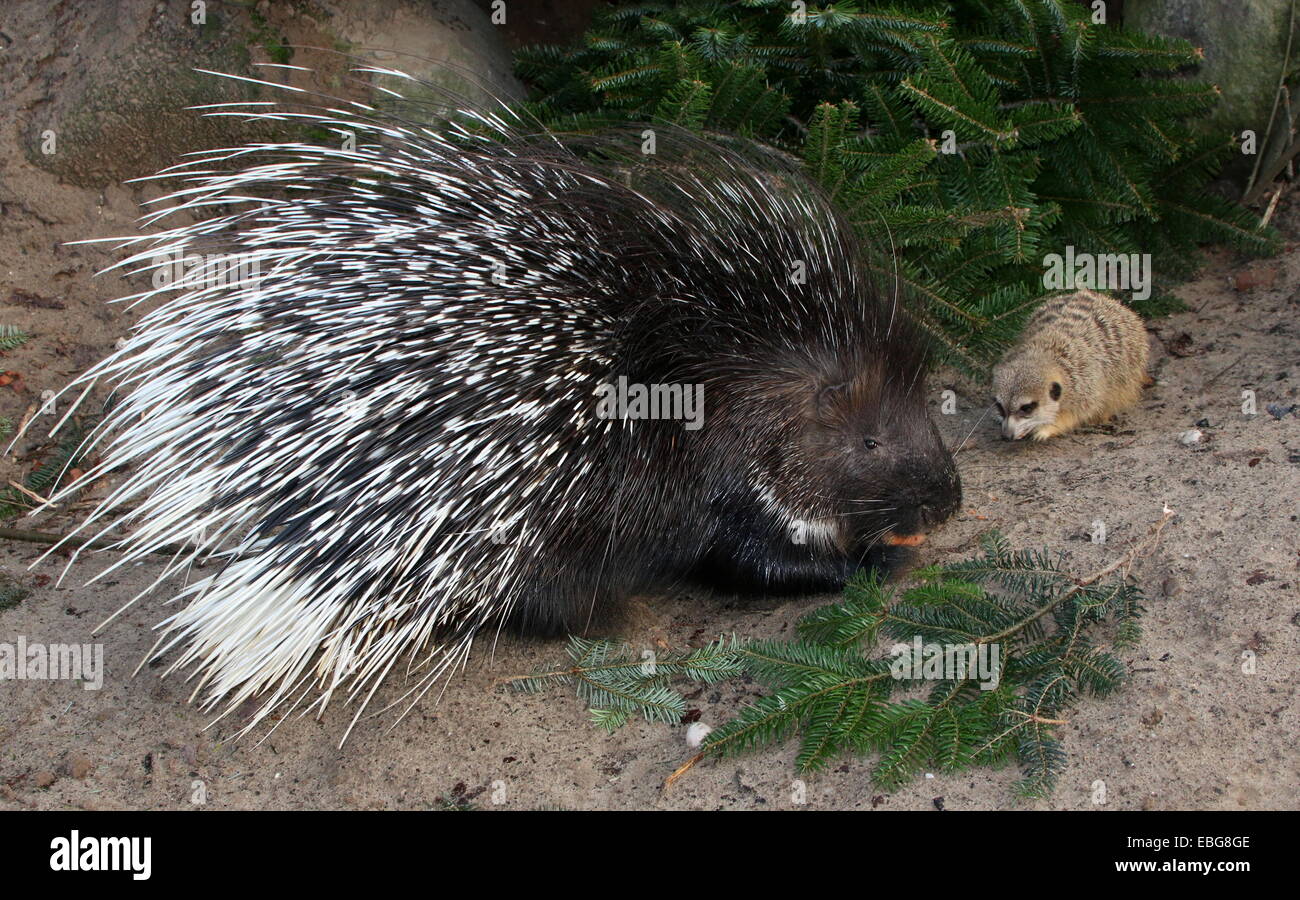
(47, 537)
(1039, 720)
(43, 501)
(1273, 172)
(1219, 374)
(1140, 548)
(27, 417)
(1277, 100)
(71, 541)
(1272, 205)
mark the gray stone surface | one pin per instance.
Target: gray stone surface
(114, 79)
(1244, 42)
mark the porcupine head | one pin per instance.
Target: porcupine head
(826, 457)
(857, 472)
(815, 454)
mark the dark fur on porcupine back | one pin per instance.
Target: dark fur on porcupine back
(390, 437)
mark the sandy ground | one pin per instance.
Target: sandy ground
(1190, 730)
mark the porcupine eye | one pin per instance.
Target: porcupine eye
(870, 443)
(1028, 408)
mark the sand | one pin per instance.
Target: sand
(1190, 730)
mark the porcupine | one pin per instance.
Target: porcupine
(387, 438)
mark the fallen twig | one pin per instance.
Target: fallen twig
(73, 541)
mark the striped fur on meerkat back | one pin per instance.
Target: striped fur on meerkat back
(389, 434)
(1081, 358)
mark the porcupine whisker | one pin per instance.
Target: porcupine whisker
(870, 543)
(859, 500)
(982, 417)
(854, 501)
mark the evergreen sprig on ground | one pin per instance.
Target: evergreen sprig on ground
(60, 459)
(917, 706)
(971, 137)
(616, 682)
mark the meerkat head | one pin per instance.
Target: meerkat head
(1027, 392)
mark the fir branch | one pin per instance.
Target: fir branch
(1058, 119)
(826, 689)
(616, 682)
(12, 336)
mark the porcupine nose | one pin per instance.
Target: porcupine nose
(944, 499)
(932, 514)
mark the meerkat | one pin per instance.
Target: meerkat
(1081, 359)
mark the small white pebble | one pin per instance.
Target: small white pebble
(1187, 438)
(929, 774)
(696, 733)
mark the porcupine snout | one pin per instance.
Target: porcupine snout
(943, 495)
(936, 513)
(934, 494)
(932, 485)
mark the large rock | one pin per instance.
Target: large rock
(1244, 43)
(115, 81)
(114, 90)
(450, 44)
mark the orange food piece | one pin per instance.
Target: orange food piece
(904, 540)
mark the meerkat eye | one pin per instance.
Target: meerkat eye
(870, 443)
(1055, 392)
(1001, 412)
(1028, 408)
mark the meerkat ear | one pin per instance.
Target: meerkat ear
(1055, 391)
